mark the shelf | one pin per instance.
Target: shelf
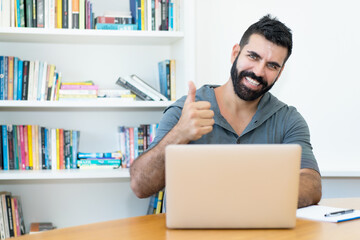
(88, 36)
(64, 174)
(100, 103)
(340, 174)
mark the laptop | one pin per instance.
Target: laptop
(232, 186)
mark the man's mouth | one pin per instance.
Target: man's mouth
(252, 81)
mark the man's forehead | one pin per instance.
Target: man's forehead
(265, 48)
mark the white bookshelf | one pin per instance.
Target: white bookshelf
(74, 197)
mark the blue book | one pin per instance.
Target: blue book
(140, 23)
(39, 82)
(5, 147)
(6, 60)
(16, 76)
(136, 142)
(163, 78)
(46, 149)
(115, 26)
(127, 147)
(20, 82)
(134, 12)
(2, 80)
(171, 15)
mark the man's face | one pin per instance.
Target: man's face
(257, 67)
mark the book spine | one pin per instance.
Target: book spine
(159, 202)
(110, 26)
(65, 16)
(17, 217)
(2, 78)
(40, 13)
(16, 141)
(26, 147)
(52, 15)
(10, 217)
(30, 146)
(10, 78)
(5, 147)
(59, 14)
(5, 214)
(67, 154)
(134, 12)
(172, 80)
(16, 75)
(1, 152)
(6, 76)
(75, 14)
(2, 225)
(42, 85)
(22, 148)
(10, 146)
(22, 12)
(25, 80)
(43, 147)
(162, 78)
(81, 14)
(53, 134)
(13, 216)
(34, 13)
(127, 147)
(28, 13)
(20, 79)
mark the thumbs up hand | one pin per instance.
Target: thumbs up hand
(196, 118)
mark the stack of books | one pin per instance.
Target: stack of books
(115, 21)
(140, 88)
(78, 90)
(156, 204)
(11, 216)
(99, 160)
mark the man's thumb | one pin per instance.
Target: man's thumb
(191, 93)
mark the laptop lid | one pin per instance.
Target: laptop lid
(232, 186)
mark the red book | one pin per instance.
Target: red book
(26, 147)
(22, 148)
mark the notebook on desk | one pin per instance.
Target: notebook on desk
(232, 186)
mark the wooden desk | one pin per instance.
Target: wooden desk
(153, 227)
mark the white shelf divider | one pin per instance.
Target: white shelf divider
(64, 174)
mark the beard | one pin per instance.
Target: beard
(243, 91)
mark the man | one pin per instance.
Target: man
(241, 111)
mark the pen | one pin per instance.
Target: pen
(333, 214)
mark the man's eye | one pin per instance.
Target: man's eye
(254, 57)
(273, 66)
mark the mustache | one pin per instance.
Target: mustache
(253, 76)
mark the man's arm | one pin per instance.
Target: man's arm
(147, 173)
(309, 188)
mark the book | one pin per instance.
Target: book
(114, 20)
(75, 14)
(319, 213)
(2, 225)
(172, 80)
(134, 4)
(10, 78)
(9, 215)
(153, 93)
(65, 13)
(58, 13)
(159, 202)
(110, 26)
(84, 155)
(36, 227)
(28, 13)
(5, 213)
(40, 11)
(164, 80)
(2, 77)
(128, 85)
(34, 13)
(78, 87)
(25, 80)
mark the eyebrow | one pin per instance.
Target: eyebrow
(258, 56)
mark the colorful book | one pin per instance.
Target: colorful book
(109, 26)
(10, 78)
(2, 77)
(75, 14)
(5, 147)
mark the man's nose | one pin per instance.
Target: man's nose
(259, 70)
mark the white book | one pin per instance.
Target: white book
(38, 91)
(5, 21)
(51, 14)
(5, 215)
(46, 13)
(2, 227)
(157, 14)
(31, 80)
(153, 93)
(53, 149)
(70, 14)
(148, 15)
(43, 81)
(12, 13)
(35, 80)
(81, 14)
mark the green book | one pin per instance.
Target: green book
(28, 13)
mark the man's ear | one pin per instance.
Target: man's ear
(235, 52)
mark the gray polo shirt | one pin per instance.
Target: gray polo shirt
(273, 123)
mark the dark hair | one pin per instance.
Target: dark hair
(273, 30)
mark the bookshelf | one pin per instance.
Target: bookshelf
(73, 197)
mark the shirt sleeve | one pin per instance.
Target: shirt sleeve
(297, 132)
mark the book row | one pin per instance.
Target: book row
(145, 15)
(77, 14)
(11, 216)
(40, 81)
(154, 15)
(133, 141)
(28, 80)
(143, 91)
(32, 147)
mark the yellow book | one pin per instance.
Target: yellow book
(89, 83)
(172, 80)
(15, 14)
(37, 148)
(34, 144)
(30, 152)
(57, 148)
(142, 15)
(159, 203)
(13, 217)
(11, 78)
(58, 13)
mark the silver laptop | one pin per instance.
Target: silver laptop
(232, 186)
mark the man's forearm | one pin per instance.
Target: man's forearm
(147, 173)
(309, 188)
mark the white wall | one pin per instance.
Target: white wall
(321, 77)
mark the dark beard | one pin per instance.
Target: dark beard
(241, 90)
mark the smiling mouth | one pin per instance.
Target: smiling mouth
(252, 81)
